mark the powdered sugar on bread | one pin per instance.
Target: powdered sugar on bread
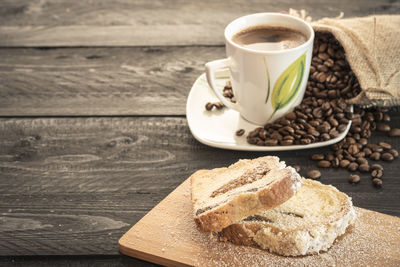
(224, 196)
(307, 223)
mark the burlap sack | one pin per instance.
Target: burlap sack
(372, 46)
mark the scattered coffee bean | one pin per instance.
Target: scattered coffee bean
(395, 132)
(364, 168)
(354, 178)
(344, 163)
(367, 151)
(240, 132)
(376, 166)
(352, 166)
(377, 182)
(317, 157)
(394, 152)
(314, 174)
(329, 157)
(323, 164)
(209, 106)
(385, 145)
(386, 117)
(387, 156)
(375, 156)
(219, 105)
(353, 149)
(377, 173)
(383, 127)
(362, 161)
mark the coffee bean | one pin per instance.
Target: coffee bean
(364, 168)
(323, 47)
(377, 173)
(325, 136)
(313, 132)
(344, 163)
(352, 166)
(350, 157)
(271, 142)
(354, 178)
(367, 151)
(395, 132)
(329, 157)
(291, 116)
(378, 115)
(375, 147)
(377, 182)
(375, 156)
(317, 112)
(376, 166)
(387, 156)
(287, 142)
(361, 160)
(353, 149)
(260, 142)
(219, 105)
(386, 117)
(323, 164)
(317, 157)
(394, 152)
(334, 133)
(363, 141)
(385, 145)
(383, 127)
(314, 174)
(323, 56)
(240, 132)
(296, 167)
(209, 106)
(341, 128)
(305, 141)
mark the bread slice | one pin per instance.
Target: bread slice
(307, 223)
(224, 196)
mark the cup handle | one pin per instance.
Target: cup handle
(211, 68)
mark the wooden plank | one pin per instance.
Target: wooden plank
(73, 186)
(76, 260)
(139, 23)
(100, 81)
(168, 235)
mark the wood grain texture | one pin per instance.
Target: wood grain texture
(73, 186)
(169, 236)
(139, 23)
(100, 81)
(76, 260)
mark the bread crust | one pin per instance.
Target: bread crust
(246, 204)
(309, 239)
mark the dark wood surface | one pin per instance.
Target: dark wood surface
(93, 131)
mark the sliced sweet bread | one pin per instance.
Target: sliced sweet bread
(224, 196)
(307, 223)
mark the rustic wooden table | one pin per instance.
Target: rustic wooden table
(93, 131)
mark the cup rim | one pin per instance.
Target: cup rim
(300, 47)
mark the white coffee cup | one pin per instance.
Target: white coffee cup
(258, 77)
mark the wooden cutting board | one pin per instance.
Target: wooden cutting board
(167, 235)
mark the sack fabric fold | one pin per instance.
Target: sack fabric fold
(372, 47)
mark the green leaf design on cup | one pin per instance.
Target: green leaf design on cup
(288, 84)
(269, 82)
